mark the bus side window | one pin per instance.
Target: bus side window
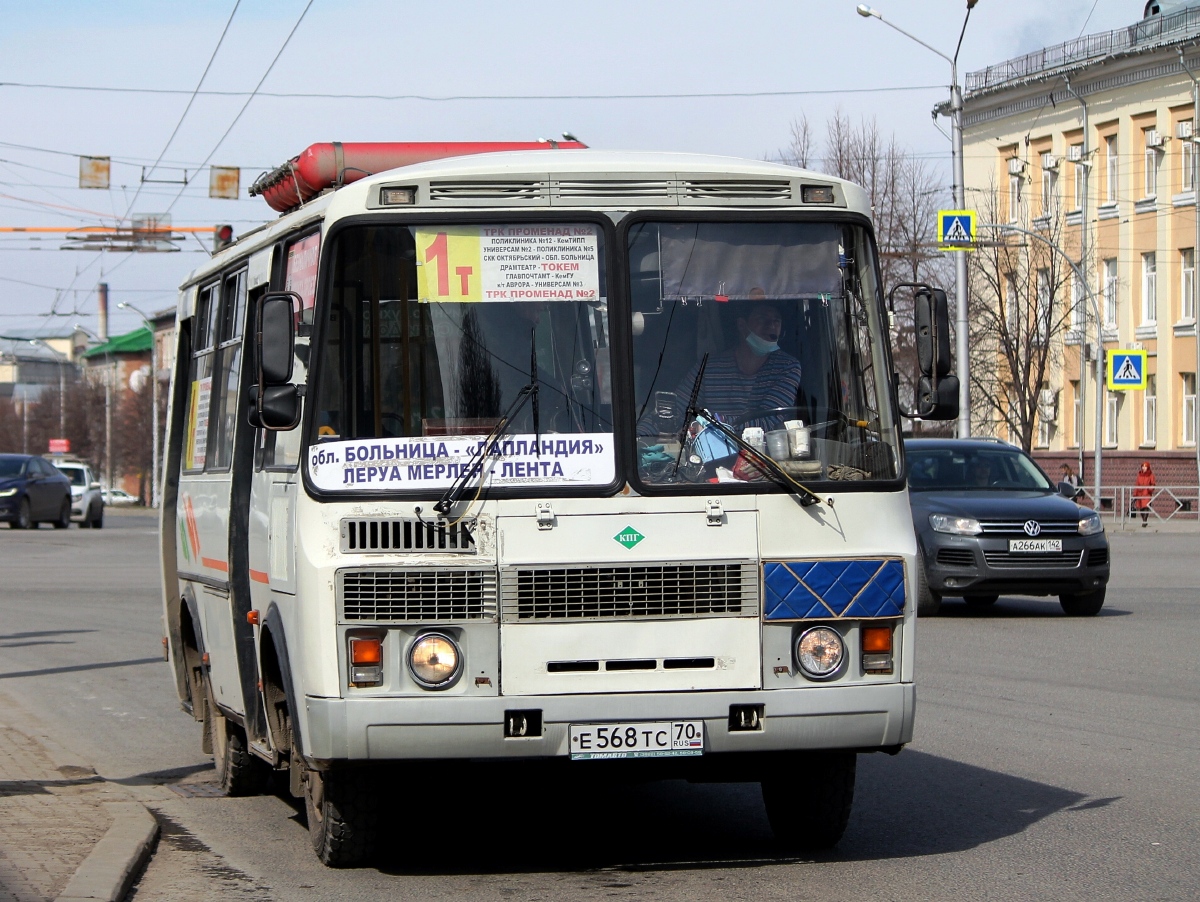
(200, 379)
(227, 376)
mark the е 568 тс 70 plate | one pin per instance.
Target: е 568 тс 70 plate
(637, 740)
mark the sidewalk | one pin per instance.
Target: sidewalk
(61, 826)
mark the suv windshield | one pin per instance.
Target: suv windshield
(774, 329)
(946, 469)
(431, 331)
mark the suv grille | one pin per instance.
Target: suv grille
(370, 534)
(1097, 557)
(1017, 527)
(642, 591)
(403, 595)
(1008, 559)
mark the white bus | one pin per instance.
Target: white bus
(579, 458)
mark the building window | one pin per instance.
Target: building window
(1149, 289)
(1150, 411)
(1079, 174)
(1109, 281)
(1046, 415)
(1189, 408)
(1014, 198)
(1012, 310)
(1110, 161)
(1187, 160)
(1042, 326)
(1112, 402)
(1049, 184)
(1187, 283)
(1151, 187)
(1078, 304)
(1076, 415)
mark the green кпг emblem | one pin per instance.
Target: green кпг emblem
(629, 537)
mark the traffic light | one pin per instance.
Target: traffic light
(222, 237)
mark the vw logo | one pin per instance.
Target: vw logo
(1032, 527)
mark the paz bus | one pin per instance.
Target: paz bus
(588, 460)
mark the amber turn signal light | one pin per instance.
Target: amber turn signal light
(876, 640)
(366, 651)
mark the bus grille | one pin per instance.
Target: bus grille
(378, 534)
(403, 595)
(635, 592)
(764, 189)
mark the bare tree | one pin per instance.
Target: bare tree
(1021, 311)
(906, 193)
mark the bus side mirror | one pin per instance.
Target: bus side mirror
(276, 401)
(936, 388)
(933, 332)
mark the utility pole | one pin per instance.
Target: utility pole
(154, 475)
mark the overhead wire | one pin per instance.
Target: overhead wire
(249, 100)
(186, 109)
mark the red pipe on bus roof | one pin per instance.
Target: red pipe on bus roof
(334, 164)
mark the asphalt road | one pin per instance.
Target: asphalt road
(1054, 758)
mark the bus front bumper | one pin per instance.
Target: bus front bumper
(864, 718)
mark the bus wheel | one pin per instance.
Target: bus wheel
(809, 805)
(239, 772)
(343, 815)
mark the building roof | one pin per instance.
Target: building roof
(136, 342)
(1151, 33)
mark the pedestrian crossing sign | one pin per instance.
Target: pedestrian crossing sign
(956, 230)
(1126, 370)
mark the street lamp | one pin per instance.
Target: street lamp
(125, 305)
(962, 366)
(1091, 295)
(62, 383)
(108, 455)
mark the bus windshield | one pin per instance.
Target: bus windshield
(772, 329)
(431, 332)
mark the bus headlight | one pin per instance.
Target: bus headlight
(820, 652)
(434, 661)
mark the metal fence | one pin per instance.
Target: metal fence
(1154, 31)
(1167, 503)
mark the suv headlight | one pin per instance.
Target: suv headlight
(956, 526)
(1090, 525)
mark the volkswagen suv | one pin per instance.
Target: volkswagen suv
(990, 523)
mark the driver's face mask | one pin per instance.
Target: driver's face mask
(761, 346)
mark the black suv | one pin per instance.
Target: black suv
(989, 522)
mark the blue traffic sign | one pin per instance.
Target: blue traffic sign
(956, 229)
(1126, 370)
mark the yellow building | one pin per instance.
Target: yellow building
(1090, 143)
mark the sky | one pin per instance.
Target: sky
(527, 70)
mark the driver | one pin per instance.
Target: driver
(754, 375)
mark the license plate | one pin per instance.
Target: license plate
(637, 740)
(1034, 546)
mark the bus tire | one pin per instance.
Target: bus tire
(343, 815)
(239, 772)
(928, 601)
(809, 805)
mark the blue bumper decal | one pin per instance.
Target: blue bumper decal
(808, 590)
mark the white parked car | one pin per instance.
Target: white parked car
(120, 496)
(87, 504)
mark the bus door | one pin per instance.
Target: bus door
(271, 509)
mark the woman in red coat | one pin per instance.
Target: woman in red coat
(1143, 491)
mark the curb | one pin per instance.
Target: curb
(109, 871)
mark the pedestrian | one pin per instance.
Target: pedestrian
(1068, 476)
(1143, 491)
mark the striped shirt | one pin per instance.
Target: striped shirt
(731, 394)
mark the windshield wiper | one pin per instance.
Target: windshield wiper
(764, 464)
(690, 414)
(499, 431)
(450, 498)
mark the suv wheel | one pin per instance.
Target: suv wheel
(928, 601)
(1085, 605)
(98, 519)
(979, 602)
